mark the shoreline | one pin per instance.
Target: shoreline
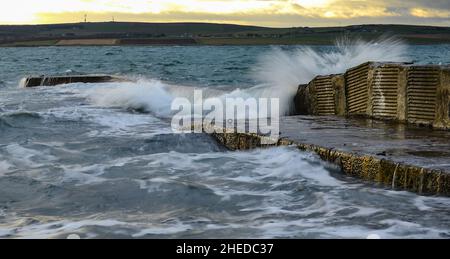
(210, 34)
(194, 42)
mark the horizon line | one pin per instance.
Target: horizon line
(235, 24)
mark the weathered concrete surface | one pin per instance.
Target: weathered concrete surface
(303, 102)
(443, 101)
(398, 156)
(58, 80)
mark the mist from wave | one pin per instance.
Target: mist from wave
(281, 72)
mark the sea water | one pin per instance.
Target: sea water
(101, 160)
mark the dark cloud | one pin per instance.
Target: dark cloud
(436, 4)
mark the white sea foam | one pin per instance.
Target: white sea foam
(173, 228)
(274, 167)
(5, 167)
(426, 203)
(290, 195)
(149, 96)
(55, 228)
(25, 157)
(83, 175)
(308, 227)
(112, 122)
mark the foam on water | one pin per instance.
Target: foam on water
(111, 122)
(21, 156)
(148, 96)
(173, 228)
(5, 167)
(56, 229)
(100, 160)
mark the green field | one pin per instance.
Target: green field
(212, 34)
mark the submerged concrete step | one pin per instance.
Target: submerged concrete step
(393, 154)
(67, 79)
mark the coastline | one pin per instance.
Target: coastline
(319, 41)
(209, 34)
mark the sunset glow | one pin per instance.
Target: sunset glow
(259, 12)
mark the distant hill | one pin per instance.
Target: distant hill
(121, 29)
(207, 33)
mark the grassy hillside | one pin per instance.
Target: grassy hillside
(207, 33)
(120, 29)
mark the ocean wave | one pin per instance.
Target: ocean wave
(4, 124)
(143, 96)
(20, 115)
(17, 119)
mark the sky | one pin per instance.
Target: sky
(273, 13)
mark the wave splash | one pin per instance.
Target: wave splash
(279, 72)
(145, 96)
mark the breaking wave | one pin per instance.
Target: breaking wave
(17, 118)
(279, 72)
(145, 96)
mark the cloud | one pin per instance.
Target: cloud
(430, 13)
(279, 13)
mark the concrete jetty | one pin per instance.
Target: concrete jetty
(391, 154)
(369, 122)
(67, 79)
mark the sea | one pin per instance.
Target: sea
(101, 160)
